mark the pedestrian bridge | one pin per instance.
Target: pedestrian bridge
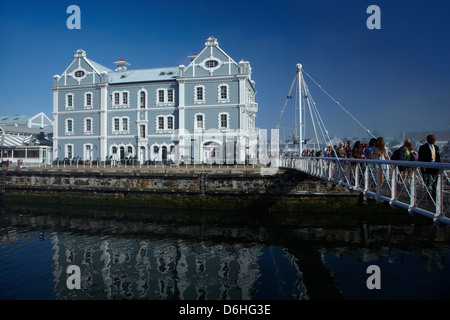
(400, 183)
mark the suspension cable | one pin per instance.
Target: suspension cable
(337, 102)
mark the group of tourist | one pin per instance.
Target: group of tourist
(376, 149)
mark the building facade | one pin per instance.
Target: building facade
(201, 112)
(26, 140)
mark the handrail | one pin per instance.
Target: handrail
(404, 183)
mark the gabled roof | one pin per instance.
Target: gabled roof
(84, 67)
(37, 121)
(17, 119)
(100, 68)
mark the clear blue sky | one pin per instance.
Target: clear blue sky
(393, 79)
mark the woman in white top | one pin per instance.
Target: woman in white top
(379, 153)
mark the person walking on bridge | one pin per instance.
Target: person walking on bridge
(429, 152)
(379, 153)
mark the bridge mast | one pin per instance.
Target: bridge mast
(299, 73)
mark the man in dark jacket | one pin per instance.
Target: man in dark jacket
(429, 152)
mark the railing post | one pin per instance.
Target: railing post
(439, 198)
(378, 181)
(394, 185)
(348, 171)
(413, 188)
(357, 167)
(366, 178)
(330, 169)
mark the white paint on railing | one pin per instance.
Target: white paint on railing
(408, 188)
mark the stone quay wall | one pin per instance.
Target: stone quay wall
(215, 188)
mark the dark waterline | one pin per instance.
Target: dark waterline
(195, 255)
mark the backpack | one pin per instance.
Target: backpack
(396, 154)
(414, 156)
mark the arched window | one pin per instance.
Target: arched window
(142, 99)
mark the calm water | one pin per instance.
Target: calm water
(162, 254)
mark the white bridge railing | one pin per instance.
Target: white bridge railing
(401, 183)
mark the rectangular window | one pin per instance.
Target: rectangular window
(88, 125)
(69, 151)
(69, 126)
(142, 131)
(170, 123)
(125, 124)
(160, 95)
(69, 100)
(223, 121)
(223, 92)
(116, 98)
(160, 123)
(32, 153)
(199, 121)
(200, 93)
(116, 124)
(169, 95)
(88, 99)
(125, 97)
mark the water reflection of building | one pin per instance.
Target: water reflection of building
(151, 259)
(136, 269)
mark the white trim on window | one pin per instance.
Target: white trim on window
(165, 123)
(88, 102)
(199, 96)
(69, 101)
(126, 148)
(156, 151)
(199, 125)
(88, 126)
(68, 150)
(120, 99)
(227, 121)
(163, 98)
(139, 99)
(122, 129)
(223, 97)
(88, 153)
(69, 127)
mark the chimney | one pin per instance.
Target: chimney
(191, 58)
(122, 65)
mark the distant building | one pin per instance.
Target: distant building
(26, 139)
(204, 111)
